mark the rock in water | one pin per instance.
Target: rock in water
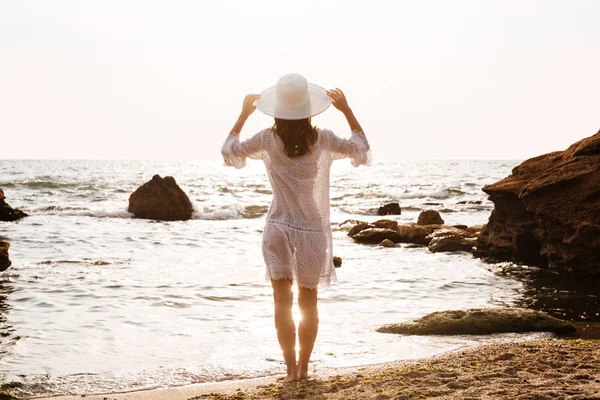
(481, 321)
(4, 261)
(386, 223)
(547, 212)
(337, 261)
(389, 209)
(430, 217)
(160, 199)
(376, 235)
(451, 239)
(387, 243)
(7, 213)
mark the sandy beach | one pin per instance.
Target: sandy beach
(539, 369)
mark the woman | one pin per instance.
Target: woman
(297, 245)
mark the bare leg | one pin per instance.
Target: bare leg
(307, 331)
(284, 323)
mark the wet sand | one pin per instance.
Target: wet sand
(539, 369)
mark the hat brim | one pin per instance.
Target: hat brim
(318, 101)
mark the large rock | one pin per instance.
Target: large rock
(4, 261)
(547, 212)
(481, 322)
(160, 199)
(430, 217)
(389, 209)
(7, 213)
(451, 239)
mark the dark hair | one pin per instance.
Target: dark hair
(297, 135)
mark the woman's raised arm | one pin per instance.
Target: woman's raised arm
(235, 152)
(338, 99)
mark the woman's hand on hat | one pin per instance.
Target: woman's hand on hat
(338, 99)
(248, 107)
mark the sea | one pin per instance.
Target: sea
(97, 301)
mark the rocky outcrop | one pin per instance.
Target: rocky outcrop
(160, 199)
(430, 217)
(389, 209)
(547, 212)
(4, 260)
(7, 213)
(438, 237)
(481, 321)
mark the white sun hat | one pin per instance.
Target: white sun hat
(293, 98)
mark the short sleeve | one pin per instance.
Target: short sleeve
(235, 152)
(357, 147)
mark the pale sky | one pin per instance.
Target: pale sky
(139, 79)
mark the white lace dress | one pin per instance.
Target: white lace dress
(297, 242)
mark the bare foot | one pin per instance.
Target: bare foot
(302, 375)
(292, 374)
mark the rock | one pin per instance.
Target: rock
(7, 213)
(376, 235)
(351, 222)
(547, 212)
(446, 240)
(481, 322)
(430, 217)
(387, 243)
(460, 226)
(474, 230)
(470, 202)
(386, 223)
(359, 227)
(160, 199)
(378, 231)
(389, 209)
(337, 262)
(414, 233)
(4, 261)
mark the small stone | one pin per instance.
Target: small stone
(387, 243)
(337, 261)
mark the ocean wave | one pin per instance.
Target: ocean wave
(210, 213)
(200, 213)
(229, 212)
(73, 211)
(440, 194)
(48, 184)
(87, 262)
